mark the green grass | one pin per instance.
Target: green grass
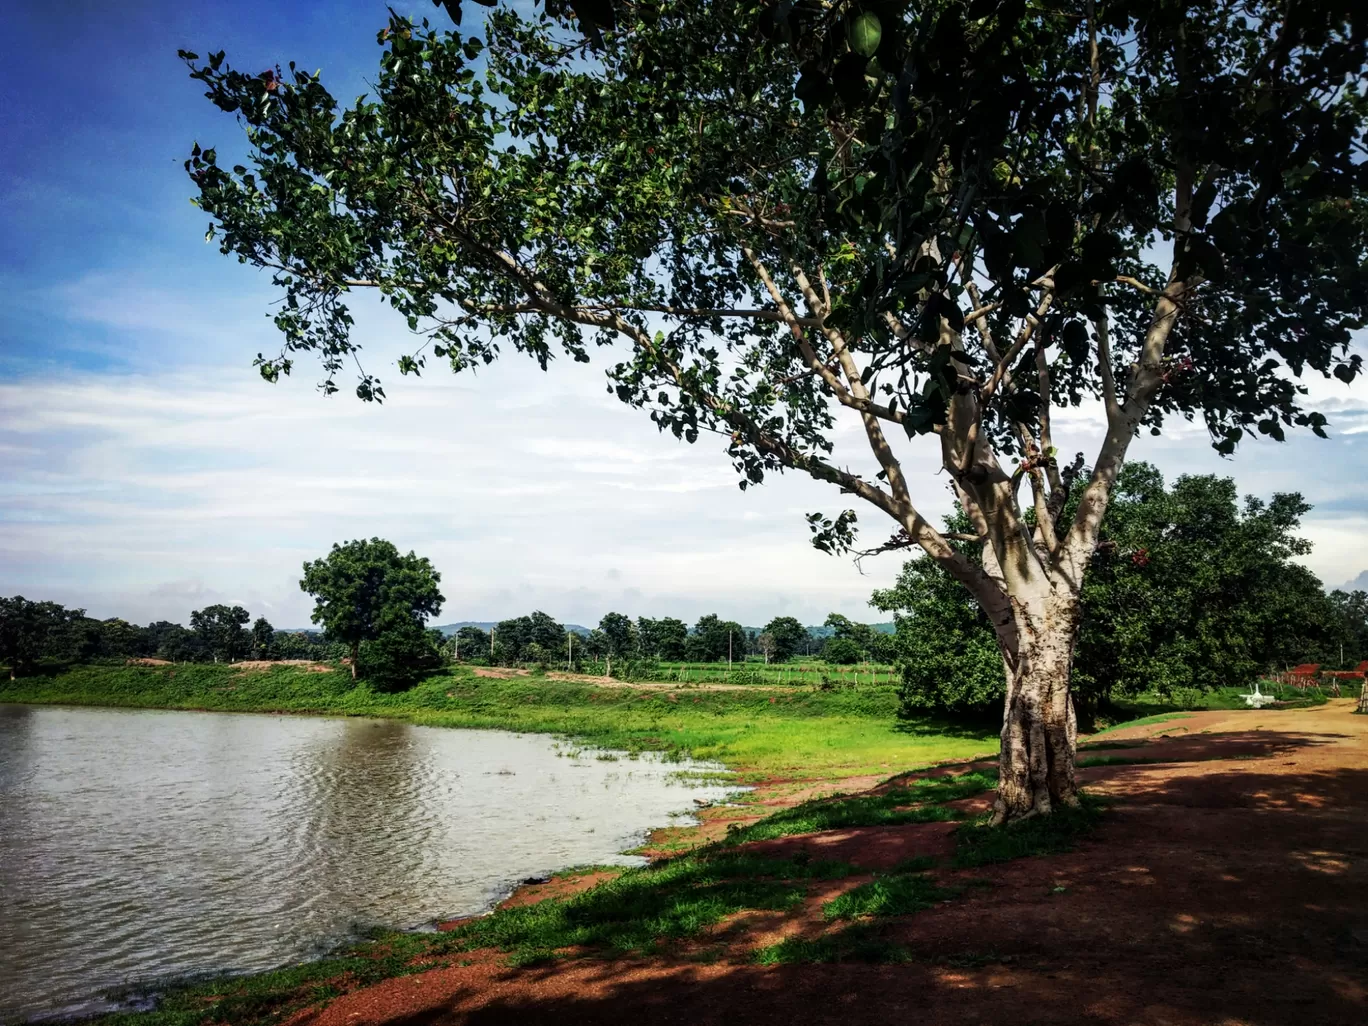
(641, 908)
(917, 802)
(977, 844)
(858, 943)
(897, 894)
(799, 732)
(1143, 721)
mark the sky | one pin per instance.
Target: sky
(147, 470)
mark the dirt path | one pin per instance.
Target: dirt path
(1227, 885)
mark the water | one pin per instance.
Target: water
(139, 846)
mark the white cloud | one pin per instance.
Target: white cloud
(146, 495)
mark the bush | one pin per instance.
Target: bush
(402, 656)
(841, 650)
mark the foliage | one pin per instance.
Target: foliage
(620, 635)
(787, 635)
(31, 631)
(363, 589)
(222, 630)
(1188, 588)
(513, 639)
(403, 654)
(469, 642)
(715, 640)
(842, 651)
(665, 638)
(263, 639)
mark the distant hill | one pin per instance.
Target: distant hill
(1359, 583)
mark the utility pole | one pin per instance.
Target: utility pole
(491, 645)
(729, 650)
(569, 651)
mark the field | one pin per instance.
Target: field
(762, 731)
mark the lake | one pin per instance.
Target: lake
(142, 846)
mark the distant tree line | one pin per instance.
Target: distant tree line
(1189, 588)
(35, 635)
(537, 638)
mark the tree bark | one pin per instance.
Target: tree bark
(1362, 703)
(1039, 727)
(356, 651)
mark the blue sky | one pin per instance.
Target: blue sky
(147, 470)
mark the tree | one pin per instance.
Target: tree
(222, 631)
(1347, 644)
(363, 588)
(767, 645)
(513, 639)
(263, 638)
(714, 639)
(934, 218)
(843, 651)
(788, 635)
(1188, 588)
(665, 638)
(471, 642)
(620, 635)
(401, 655)
(33, 631)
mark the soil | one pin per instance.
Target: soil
(1227, 884)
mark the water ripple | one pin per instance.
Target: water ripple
(138, 846)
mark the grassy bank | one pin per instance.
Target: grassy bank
(805, 732)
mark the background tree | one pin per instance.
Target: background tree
(1189, 588)
(788, 635)
(472, 643)
(263, 638)
(767, 646)
(843, 651)
(621, 636)
(713, 638)
(33, 631)
(363, 588)
(222, 631)
(937, 218)
(176, 643)
(399, 656)
(1346, 643)
(664, 638)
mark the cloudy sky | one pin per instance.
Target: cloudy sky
(147, 470)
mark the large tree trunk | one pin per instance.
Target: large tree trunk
(1039, 729)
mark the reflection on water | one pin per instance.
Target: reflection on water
(137, 846)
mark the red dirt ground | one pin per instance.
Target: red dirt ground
(1228, 885)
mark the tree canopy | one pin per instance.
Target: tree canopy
(363, 588)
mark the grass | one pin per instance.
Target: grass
(808, 733)
(897, 894)
(977, 844)
(917, 802)
(858, 943)
(1143, 721)
(641, 908)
